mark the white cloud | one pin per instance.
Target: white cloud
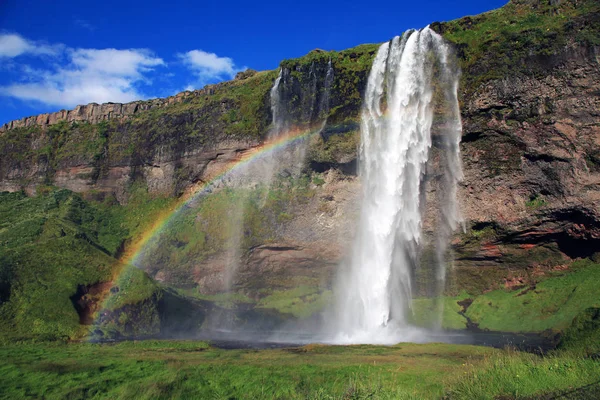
(129, 63)
(13, 45)
(209, 66)
(67, 77)
(89, 75)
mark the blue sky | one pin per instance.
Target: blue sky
(57, 54)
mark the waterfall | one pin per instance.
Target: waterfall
(411, 77)
(323, 109)
(276, 108)
(311, 107)
(297, 105)
(449, 215)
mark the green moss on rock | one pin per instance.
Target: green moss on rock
(502, 42)
(550, 304)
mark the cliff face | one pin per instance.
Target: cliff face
(531, 146)
(168, 144)
(530, 99)
(531, 139)
(94, 113)
(531, 185)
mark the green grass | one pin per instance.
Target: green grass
(154, 370)
(500, 42)
(441, 312)
(225, 300)
(301, 302)
(536, 202)
(189, 369)
(512, 374)
(56, 242)
(551, 304)
(140, 211)
(238, 106)
(52, 245)
(583, 336)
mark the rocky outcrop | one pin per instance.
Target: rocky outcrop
(530, 148)
(95, 113)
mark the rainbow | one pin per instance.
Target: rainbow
(289, 138)
(133, 252)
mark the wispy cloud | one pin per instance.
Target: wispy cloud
(208, 66)
(83, 76)
(82, 23)
(14, 45)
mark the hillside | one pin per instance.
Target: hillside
(86, 184)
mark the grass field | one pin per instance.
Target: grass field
(188, 369)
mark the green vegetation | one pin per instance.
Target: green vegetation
(535, 202)
(511, 374)
(444, 311)
(486, 232)
(301, 302)
(583, 336)
(571, 372)
(338, 148)
(199, 230)
(550, 304)
(50, 245)
(227, 300)
(153, 370)
(54, 245)
(62, 144)
(68, 243)
(59, 251)
(490, 46)
(351, 68)
(500, 42)
(238, 106)
(140, 212)
(182, 369)
(57, 247)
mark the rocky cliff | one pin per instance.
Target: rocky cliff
(530, 101)
(94, 113)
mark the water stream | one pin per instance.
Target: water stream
(374, 290)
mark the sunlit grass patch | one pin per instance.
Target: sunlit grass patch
(189, 369)
(551, 304)
(301, 302)
(512, 374)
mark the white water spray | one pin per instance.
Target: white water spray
(375, 289)
(314, 98)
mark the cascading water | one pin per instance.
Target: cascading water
(312, 108)
(450, 133)
(300, 106)
(276, 107)
(323, 108)
(375, 289)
